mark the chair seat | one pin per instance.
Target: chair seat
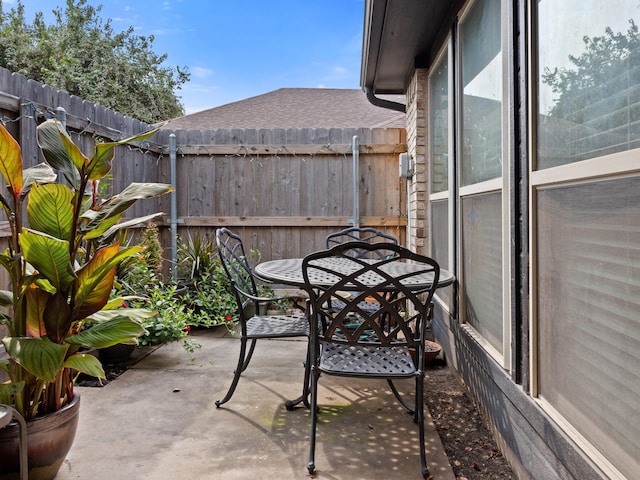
(287, 325)
(373, 361)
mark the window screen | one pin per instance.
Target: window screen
(588, 79)
(589, 312)
(482, 265)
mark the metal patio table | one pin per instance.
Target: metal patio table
(288, 271)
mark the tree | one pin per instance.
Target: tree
(596, 100)
(609, 63)
(83, 55)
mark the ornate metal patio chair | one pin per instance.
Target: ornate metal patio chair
(351, 341)
(359, 234)
(254, 325)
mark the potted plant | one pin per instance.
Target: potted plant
(61, 261)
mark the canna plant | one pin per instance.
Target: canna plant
(61, 263)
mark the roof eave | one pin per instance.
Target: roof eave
(398, 36)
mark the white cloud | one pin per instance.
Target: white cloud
(200, 72)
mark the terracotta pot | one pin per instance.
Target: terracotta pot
(431, 351)
(49, 439)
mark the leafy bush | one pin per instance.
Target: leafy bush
(171, 321)
(139, 273)
(211, 300)
(209, 295)
(196, 256)
(62, 268)
(152, 247)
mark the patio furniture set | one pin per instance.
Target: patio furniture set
(366, 313)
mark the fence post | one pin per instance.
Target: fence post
(355, 151)
(61, 116)
(173, 216)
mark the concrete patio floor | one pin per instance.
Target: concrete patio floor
(158, 421)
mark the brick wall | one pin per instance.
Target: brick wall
(416, 147)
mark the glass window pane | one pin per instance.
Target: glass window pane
(481, 57)
(439, 125)
(482, 265)
(440, 243)
(588, 79)
(589, 312)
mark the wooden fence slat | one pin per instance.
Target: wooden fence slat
(303, 222)
(286, 149)
(9, 102)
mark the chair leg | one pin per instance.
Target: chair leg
(304, 398)
(249, 355)
(402, 401)
(243, 362)
(311, 466)
(419, 416)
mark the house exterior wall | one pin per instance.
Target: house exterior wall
(533, 440)
(416, 148)
(534, 445)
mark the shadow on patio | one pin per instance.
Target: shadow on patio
(158, 421)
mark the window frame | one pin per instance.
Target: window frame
(501, 184)
(604, 167)
(448, 194)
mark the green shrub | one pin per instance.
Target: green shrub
(171, 321)
(209, 295)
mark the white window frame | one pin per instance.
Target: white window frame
(614, 165)
(498, 184)
(447, 48)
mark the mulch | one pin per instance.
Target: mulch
(464, 430)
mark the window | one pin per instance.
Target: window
(481, 72)
(439, 103)
(588, 80)
(586, 235)
(589, 312)
(482, 253)
(439, 147)
(467, 210)
(480, 151)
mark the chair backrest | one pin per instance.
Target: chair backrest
(359, 234)
(236, 266)
(401, 286)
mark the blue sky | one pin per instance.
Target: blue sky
(236, 49)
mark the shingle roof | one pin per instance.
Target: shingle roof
(295, 108)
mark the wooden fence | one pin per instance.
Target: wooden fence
(284, 196)
(283, 191)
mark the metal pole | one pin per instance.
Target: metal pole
(61, 116)
(173, 215)
(355, 151)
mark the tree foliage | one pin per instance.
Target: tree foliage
(609, 63)
(82, 54)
